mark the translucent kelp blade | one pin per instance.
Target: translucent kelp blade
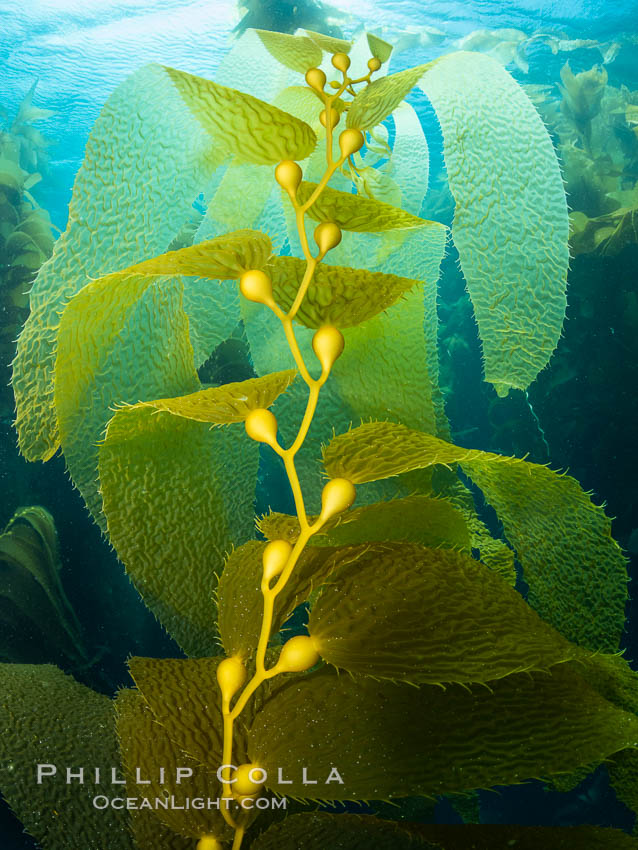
(338, 295)
(125, 337)
(404, 612)
(510, 224)
(48, 718)
(389, 365)
(416, 519)
(146, 747)
(227, 404)
(623, 776)
(185, 700)
(177, 496)
(319, 830)
(133, 154)
(376, 101)
(494, 553)
(242, 125)
(329, 43)
(356, 213)
(226, 256)
(297, 52)
(241, 602)
(150, 833)
(394, 740)
(575, 571)
(409, 164)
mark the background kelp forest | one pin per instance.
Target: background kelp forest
(82, 613)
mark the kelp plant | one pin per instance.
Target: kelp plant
(456, 681)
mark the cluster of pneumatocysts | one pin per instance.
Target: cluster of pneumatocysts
(279, 557)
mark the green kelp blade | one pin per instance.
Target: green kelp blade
(297, 52)
(416, 519)
(242, 125)
(132, 195)
(329, 43)
(405, 612)
(357, 213)
(320, 830)
(46, 717)
(241, 602)
(623, 777)
(227, 404)
(395, 740)
(185, 700)
(379, 48)
(178, 495)
(376, 101)
(225, 256)
(337, 295)
(146, 747)
(510, 224)
(575, 570)
(389, 365)
(125, 337)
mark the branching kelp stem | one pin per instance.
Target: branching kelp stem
(280, 558)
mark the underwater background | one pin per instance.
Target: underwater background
(579, 62)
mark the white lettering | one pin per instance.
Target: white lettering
(304, 777)
(280, 778)
(114, 779)
(335, 776)
(46, 770)
(79, 775)
(220, 772)
(182, 773)
(138, 778)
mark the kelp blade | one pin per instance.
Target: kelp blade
(177, 495)
(394, 740)
(319, 830)
(46, 717)
(510, 223)
(575, 570)
(133, 154)
(408, 613)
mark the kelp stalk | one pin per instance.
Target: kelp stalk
(280, 558)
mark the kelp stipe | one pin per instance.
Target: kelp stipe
(456, 682)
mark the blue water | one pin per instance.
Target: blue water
(79, 51)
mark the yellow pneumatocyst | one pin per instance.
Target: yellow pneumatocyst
(261, 426)
(274, 558)
(374, 64)
(256, 286)
(298, 654)
(327, 343)
(341, 61)
(249, 780)
(231, 675)
(316, 79)
(288, 174)
(208, 842)
(327, 236)
(336, 497)
(350, 141)
(334, 117)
